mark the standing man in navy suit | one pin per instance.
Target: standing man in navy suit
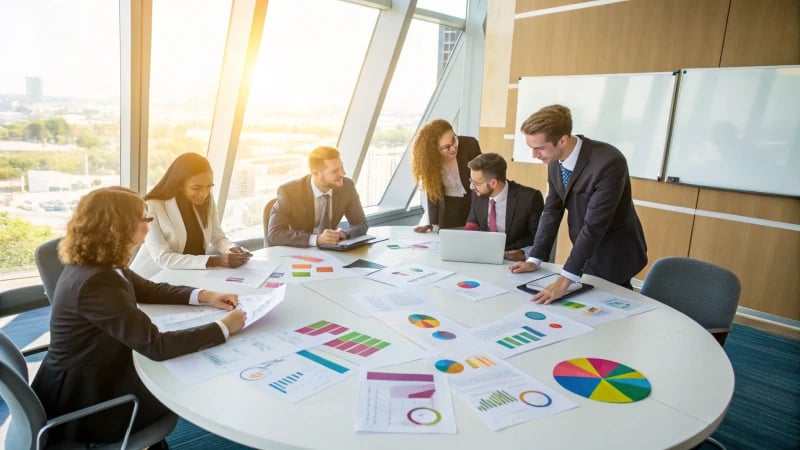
(308, 210)
(590, 180)
(502, 205)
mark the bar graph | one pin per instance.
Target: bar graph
(477, 362)
(358, 344)
(281, 383)
(322, 327)
(527, 336)
(495, 399)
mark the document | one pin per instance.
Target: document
(252, 274)
(364, 267)
(469, 287)
(296, 376)
(429, 328)
(308, 265)
(500, 394)
(395, 300)
(525, 329)
(409, 275)
(596, 307)
(390, 402)
(255, 306)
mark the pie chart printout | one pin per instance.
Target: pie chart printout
(449, 366)
(468, 284)
(423, 321)
(602, 380)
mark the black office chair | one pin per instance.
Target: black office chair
(49, 265)
(265, 219)
(29, 427)
(21, 300)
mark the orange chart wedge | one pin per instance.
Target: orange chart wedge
(602, 380)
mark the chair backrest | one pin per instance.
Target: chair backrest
(49, 265)
(27, 414)
(265, 219)
(707, 293)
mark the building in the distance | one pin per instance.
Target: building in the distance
(34, 89)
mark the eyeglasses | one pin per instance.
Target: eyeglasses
(452, 144)
(476, 184)
(147, 219)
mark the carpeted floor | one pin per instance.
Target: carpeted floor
(764, 412)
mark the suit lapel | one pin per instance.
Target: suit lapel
(176, 221)
(583, 160)
(308, 199)
(511, 204)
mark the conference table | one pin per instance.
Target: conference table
(691, 377)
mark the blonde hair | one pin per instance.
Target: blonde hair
(426, 159)
(318, 156)
(101, 228)
(554, 121)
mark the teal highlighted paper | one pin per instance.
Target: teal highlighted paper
(322, 361)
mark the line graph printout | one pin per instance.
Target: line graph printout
(404, 403)
(500, 394)
(524, 329)
(297, 375)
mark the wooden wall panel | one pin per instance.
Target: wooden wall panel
(497, 61)
(633, 36)
(779, 209)
(766, 260)
(669, 194)
(511, 111)
(762, 33)
(667, 233)
(524, 6)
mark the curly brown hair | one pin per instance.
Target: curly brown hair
(101, 228)
(426, 160)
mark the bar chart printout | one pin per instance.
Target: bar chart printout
(297, 375)
(404, 403)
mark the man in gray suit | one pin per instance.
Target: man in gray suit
(308, 210)
(590, 180)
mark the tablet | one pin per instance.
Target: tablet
(349, 244)
(534, 286)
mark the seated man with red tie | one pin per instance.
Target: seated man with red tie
(504, 206)
(308, 210)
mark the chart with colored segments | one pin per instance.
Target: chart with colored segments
(602, 380)
(472, 289)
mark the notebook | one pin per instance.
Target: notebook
(472, 246)
(349, 244)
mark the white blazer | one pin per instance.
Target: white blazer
(164, 243)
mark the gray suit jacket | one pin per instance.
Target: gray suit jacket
(607, 237)
(291, 221)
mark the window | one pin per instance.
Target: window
(186, 61)
(455, 8)
(59, 118)
(310, 56)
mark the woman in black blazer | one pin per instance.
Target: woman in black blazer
(95, 324)
(439, 165)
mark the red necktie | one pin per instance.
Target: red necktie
(492, 216)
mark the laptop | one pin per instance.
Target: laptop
(472, 246)
(349, 244)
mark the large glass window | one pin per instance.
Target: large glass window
(421, 63)
(186, 61)
(455, 8)
(310, 57)
(59, 117)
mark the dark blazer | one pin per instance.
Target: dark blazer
(94, 327)
(523, 208)
(468, 148)
(291, 221)
(605, 231)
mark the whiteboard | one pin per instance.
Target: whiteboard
(629, 111)
(738, 128)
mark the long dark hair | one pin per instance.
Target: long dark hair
(184, 167)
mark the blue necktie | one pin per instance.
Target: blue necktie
(565, 173)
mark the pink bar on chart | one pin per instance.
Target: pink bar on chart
(357, 349)
(399, 376)
(327, 328)
(369, 351)
(346, 345)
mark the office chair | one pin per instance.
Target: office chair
(23, 299)
(49, 265)
(707, 293)
(29, 425)
(265, 219)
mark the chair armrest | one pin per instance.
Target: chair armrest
(719, 330)
(77, 414)
(34, 350)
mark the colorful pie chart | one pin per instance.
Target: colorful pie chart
(602, 380)
(443, 335)
(423, 321)
(468, 284)
(449, 366)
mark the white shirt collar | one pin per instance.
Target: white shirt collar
(501, 197)
(572, 160)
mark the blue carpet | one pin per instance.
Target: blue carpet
(764, 412)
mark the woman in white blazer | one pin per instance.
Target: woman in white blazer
(185, 222)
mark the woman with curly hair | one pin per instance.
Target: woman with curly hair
(439, 165)
(185, 222)
(95, 324)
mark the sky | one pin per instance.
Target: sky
(311, 50)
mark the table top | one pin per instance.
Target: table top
(692, 379)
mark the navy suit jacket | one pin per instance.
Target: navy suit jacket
(607, 237)
(291, 220)
(523, 208)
